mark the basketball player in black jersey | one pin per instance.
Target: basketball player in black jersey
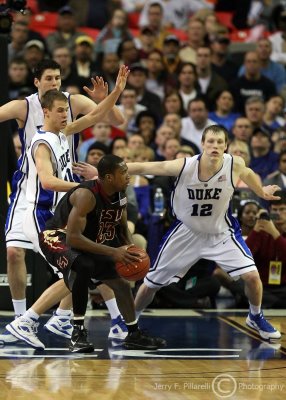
(84, 239)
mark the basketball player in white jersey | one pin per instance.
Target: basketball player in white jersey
(30, 117)
(49, 175)
(205, 227)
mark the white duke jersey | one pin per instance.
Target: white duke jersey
(62, 168)
(34, 121)
(204, 206)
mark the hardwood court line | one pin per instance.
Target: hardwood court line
(247, 331)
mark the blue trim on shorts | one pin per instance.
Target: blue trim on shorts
(173, 229)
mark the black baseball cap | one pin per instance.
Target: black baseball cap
(138, 67)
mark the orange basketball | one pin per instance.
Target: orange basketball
(134, 271)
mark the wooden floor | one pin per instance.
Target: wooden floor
(210, 355)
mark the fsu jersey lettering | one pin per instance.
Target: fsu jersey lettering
(103, 222)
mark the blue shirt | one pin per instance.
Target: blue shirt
(227, 121)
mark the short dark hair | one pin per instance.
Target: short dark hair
(50, 97)
(43, 66)
(108, 165)
(215, 129)
(282, 194)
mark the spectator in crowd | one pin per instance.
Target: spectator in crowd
(175, 13)
(242, 129)
(62, 56)
(135, 141)
(25, 18)
(174, 121)
(34, 53)
(112, 34)
(252, 83)
(223, 114)
(221, 60)
(83, 62)
(185, 151)
(171, 47)
(173, 104)
(66, 32)
(194, 124)
(127, 52)
(267, 242)
(95, 152)
(272, 118)
(109, 69)
(271, 69)
(130, 109)
(196, 33)
(146, 124)
(19, 37)
(157, 80)
(254, 111)
(163, 133)
(18, 77)
(278, 177)
(154, 20)
(116, 144)
(101, 132)
(210, 82)
(263, 160)
(145, 42)
(189, 87)
(171, 148)
(137, 79)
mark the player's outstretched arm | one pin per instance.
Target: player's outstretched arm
(250, 178)
(15, 109)
(99, 112)
(159, 168)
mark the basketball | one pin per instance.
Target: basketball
(134, 271)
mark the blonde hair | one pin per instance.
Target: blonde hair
(242, 146)
(144, 152)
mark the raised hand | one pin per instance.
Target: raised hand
(269, 192)
(122, 78)
(84, 169)
(99, 89)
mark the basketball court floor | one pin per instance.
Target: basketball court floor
(209, 355)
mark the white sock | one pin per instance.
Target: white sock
(31, 314)
(254, 309)
(137, 314)
(19, 306)
(66, 313)
(112, 308)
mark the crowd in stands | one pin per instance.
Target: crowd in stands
(185, 75)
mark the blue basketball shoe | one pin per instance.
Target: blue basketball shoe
(265, 329)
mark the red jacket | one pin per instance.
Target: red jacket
(265, 249)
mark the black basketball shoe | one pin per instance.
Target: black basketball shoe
(79, 342)
(139, 340)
